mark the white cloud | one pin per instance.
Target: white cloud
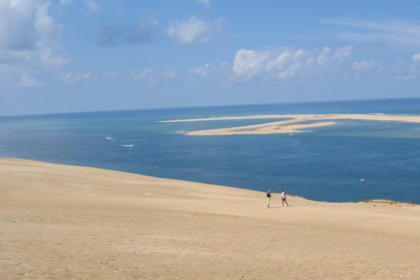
(416, 57)
(363, 65)
(368, 69)
(249, 63)
(203, 71)
(193, 30)
(28, 81)
(92, 6)
(288, 64)
(72, 78)
(342, 53)
(29, 37)
(25, 25)
(390, 32)
(49, 59)
(399, 70)
(144, 76)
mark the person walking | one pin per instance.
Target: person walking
(284, 198)
(268, 198)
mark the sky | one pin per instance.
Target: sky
(94, 55)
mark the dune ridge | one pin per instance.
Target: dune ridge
(70, 222)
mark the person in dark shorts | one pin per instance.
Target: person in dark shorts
(268, 198)
(284, 198)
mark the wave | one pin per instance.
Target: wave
(109, 138)
(127, 145)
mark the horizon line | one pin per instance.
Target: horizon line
(198, 106)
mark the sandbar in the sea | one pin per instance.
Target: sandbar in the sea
(297, 123)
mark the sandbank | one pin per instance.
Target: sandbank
(292, 125)
(70, 222)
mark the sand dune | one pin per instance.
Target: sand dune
(292, 124)
(68, 222)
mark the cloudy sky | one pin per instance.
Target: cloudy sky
(90, 55)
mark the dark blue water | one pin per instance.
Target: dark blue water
(325, 164)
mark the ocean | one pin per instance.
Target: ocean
(325, 164)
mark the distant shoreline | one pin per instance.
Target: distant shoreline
(292, 126)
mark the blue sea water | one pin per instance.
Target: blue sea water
(325, 164)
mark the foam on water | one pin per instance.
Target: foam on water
(127, 145)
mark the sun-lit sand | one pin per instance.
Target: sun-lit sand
(68, 222)
(293, 124)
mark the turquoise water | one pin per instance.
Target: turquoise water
(325, 164)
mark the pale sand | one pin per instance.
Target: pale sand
(67, 222)
(294, 125)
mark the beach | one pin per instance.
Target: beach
(70, 222)
(296, 123)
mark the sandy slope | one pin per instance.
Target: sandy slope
(297, 123)
(66, 222)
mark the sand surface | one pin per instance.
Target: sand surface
(67, 222)
(293, 124)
